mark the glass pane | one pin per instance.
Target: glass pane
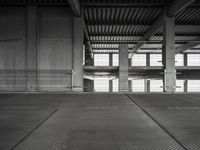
(155, 59)
(179, 60)
(180, 85)
(101, 84)
(138, 60)
(115, 59)
(193, 59)
(115, 85)
(193, 85)
(156, 86)
(101, 59)
(138, 85)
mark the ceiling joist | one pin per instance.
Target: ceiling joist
(175, 7)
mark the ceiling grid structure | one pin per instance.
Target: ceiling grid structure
(112, 22)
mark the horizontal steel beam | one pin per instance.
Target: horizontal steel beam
(135, 41)
(129, 4)
(188, 45)
(174, 7)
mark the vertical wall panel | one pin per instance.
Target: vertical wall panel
(12, 49)
(55, 48)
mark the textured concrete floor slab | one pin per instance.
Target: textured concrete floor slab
(82, 122)
(179, 114)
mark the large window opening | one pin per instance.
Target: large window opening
(155, 59)
(101, 84)
(101, 59)
(138, 85)
(138, 60)
(193, 59)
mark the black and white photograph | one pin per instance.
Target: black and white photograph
(99, 74)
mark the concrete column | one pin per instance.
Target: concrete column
(77, 84)
(185, 59)
(31, 48)
(185, 85)
(123, 67)
(169, 81)
(148, 85)
(129, 62)
(130, 85)
(110, 59)
(147, 59)
(110, 85)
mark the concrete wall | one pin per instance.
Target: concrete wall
(12, 48)
(54, 47)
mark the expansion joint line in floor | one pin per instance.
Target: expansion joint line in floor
(33, 129)
(159, 124)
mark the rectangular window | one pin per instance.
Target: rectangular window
(155, 59)
(101, 84)
(179, 60)
(115, 59)
(156, 86)
(138, 60)
(193, 85)
(101, 59)
(193, 59)
(179, 85)
(115, 85)
(138, 85)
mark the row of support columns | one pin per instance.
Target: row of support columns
(169, 79)
(147, 81)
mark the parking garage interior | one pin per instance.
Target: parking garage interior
(99, 75)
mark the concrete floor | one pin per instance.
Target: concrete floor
(100, 122)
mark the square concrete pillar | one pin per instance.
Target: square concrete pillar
(123, 68)
(31, 61)
(169, 80)
(110, 59)
(110, 85)
(185, 85)
(185, 59)
(77, 79)
(130, 85)
(147, 59)
(147, 85)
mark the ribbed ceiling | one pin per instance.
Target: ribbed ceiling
(126, 21)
